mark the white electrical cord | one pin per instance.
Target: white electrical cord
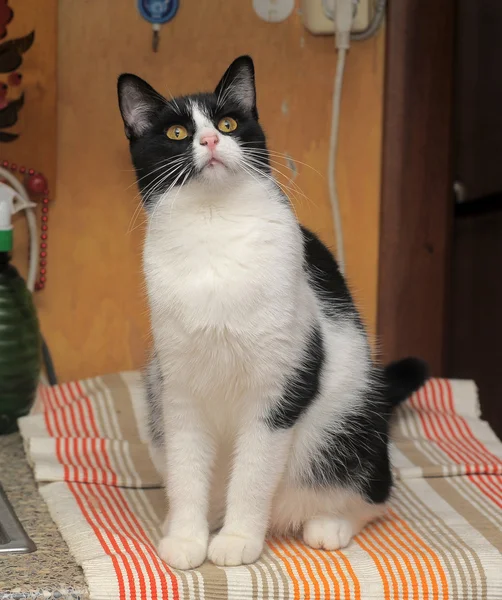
(32, 226)
(343, 24)
(342, 16)
(333, 147)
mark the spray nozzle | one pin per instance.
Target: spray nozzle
(10, 203)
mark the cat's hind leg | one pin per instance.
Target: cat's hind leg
(332, 532)
(326, 519)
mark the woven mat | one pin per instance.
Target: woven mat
(441, 539)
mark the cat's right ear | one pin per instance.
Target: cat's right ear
(139, 103)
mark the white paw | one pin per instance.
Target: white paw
(228, 550)
(327, 533)
(183, 553)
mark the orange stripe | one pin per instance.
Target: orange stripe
(54, 414)
(481, 487)
(100, 467)
(386, 548)
(91, 469)
(460, 438)
(430, 551)
(301, 573)
(135, 552)
(62, 413)
(468, 470)
(68, 461)
(48, 425)
(363, 540)
(465, 435)
(423, 579)
(82, 490)
(98, 534)
(454, 448)
(82, 457)
(83, 418)
(60, 459)
(313, 578)
(425, 419)
(317, 558)
(71, 404)
(86, 400)
(293, 577)
(108, 462)
(355, 580)
(469, 433)
(489, 485)
(160, 566)
(71, 411)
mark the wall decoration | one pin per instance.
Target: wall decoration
(11, 58)
(6, 15)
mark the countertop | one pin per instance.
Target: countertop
(51, 572)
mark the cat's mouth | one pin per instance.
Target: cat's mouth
(214, 162)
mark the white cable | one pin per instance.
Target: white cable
(343, 24)
(333, 146)
(32, 227)
(342, 15)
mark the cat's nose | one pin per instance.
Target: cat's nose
(210, 140)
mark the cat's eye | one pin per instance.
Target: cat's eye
(227, 124)
(177, 132)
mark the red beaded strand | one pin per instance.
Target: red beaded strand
(37, 184)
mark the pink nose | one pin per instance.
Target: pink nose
(210, 140)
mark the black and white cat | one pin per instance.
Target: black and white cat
(266, 410)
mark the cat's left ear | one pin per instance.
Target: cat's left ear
(237, 85)
(139, 103)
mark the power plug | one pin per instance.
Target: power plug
(317, 22)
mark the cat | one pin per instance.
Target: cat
(266, 410)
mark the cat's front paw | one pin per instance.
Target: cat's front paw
(229, 550)
(183, 553)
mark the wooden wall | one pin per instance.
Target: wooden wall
(93, 310)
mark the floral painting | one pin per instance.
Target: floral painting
(6, 15)
(11, 58)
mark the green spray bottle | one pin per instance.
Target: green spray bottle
(20, 338)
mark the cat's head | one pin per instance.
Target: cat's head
(211, 137)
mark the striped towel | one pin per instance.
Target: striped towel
(442, 537)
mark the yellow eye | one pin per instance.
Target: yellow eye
(227, 124)
(177, 132)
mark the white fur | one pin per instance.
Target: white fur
(231, 310)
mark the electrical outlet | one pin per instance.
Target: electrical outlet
(273, 11)
(316, 21)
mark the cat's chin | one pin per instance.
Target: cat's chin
(215, 172)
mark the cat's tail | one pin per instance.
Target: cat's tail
(403, 377)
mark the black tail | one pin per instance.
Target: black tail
(403, 377)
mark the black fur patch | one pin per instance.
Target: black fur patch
(302, 387)
(327, 280)
(356, 455)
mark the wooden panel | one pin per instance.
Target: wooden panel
(478, 118)
(36, 126)
(417, 199)
(93, 309)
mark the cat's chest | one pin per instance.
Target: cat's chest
(215, 263)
